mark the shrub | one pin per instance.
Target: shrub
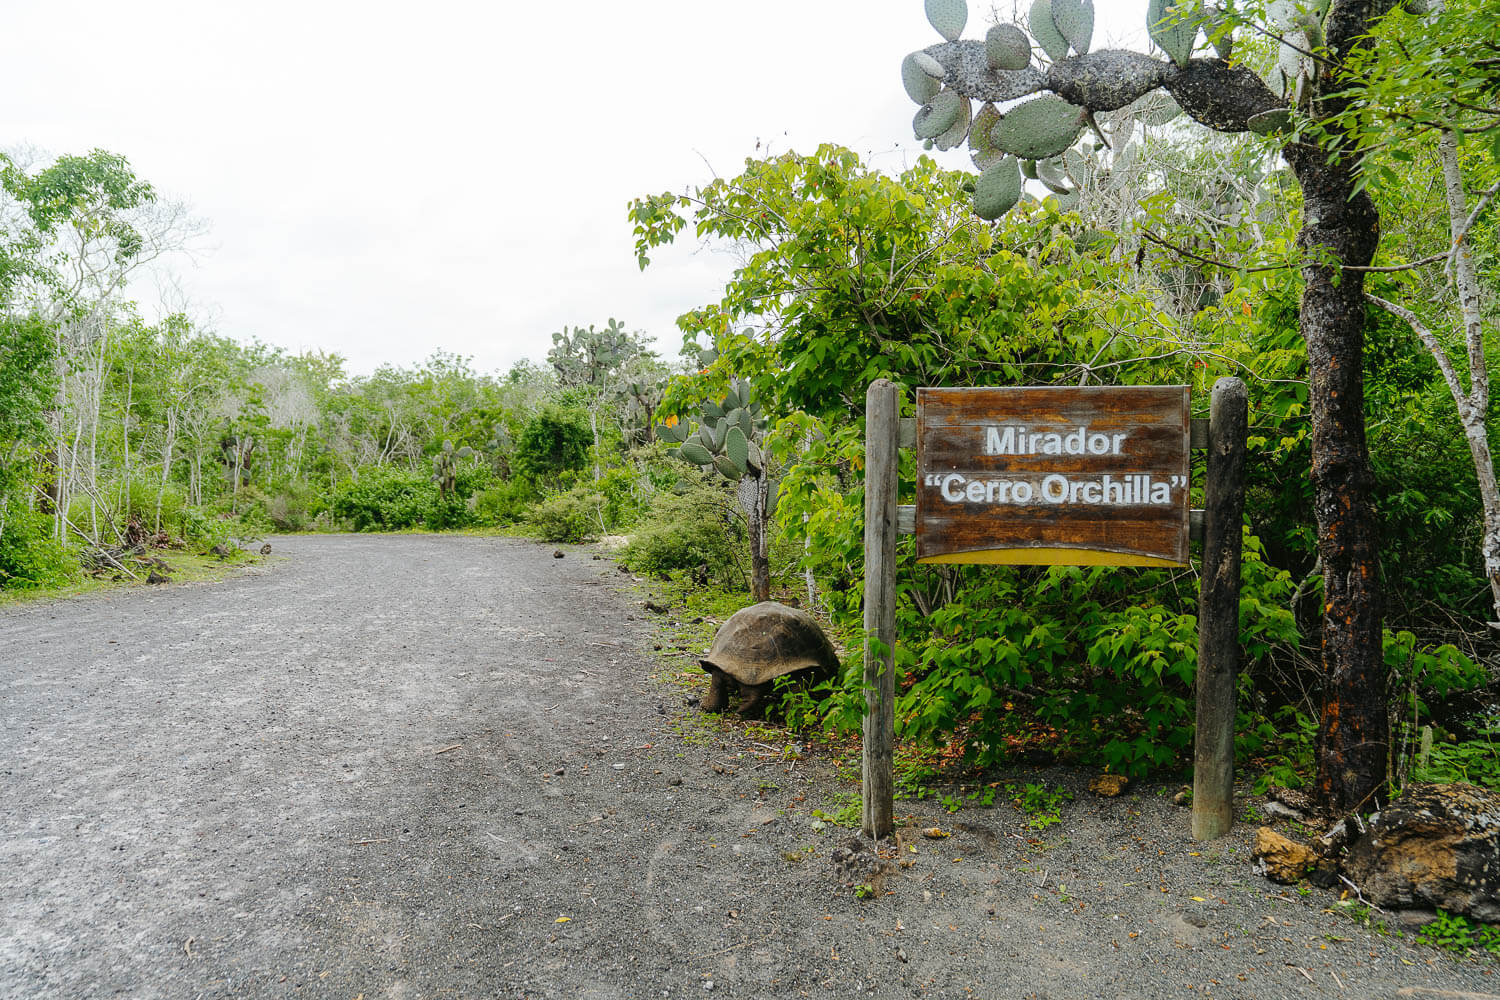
(290, 507)
(200, 527)
(568, 517)
(693, 530)
(505, 502)
(384, 499)
(29, 556)
(554, 441)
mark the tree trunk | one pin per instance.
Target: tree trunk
(166, 464)
(760, 536)
(1474, 405)
(1342, 226)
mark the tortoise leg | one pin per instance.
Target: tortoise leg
(717, 698)
(756, 702)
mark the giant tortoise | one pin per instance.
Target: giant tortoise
(759, 644)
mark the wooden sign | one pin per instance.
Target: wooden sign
(1091, 476)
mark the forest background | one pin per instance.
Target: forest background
(1168, 256)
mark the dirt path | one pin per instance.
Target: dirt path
(428, 766)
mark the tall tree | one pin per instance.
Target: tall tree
(1306, 105)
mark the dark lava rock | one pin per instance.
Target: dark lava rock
(1436, 847)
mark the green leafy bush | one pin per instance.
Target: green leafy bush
(554, 442)
(571, 516)
(505, 502)
(384, 499)
(291, 506)
(690, 531)
(29, 556)
(387, 499)
(202, 527)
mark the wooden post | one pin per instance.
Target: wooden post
(1219, 612)
(882, 465)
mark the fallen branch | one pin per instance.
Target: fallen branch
(446, 749)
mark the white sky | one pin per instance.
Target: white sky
(386, 180)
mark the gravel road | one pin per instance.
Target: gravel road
(441, 766)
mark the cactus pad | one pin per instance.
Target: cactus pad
(1156, 109)
(919, 84)
(1269, 122)
(695, 453)
(1039, 128)
(1044, 30)
(728, 469)
(998, 189)
(948, 17)
(1050, 173)
(1075, 22)
(960, 129)
(927, 64)
(737, 446)
(937, 115)
(1006, 47)
(982, 148)
(1171, 27)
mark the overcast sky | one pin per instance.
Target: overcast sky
(385, 180)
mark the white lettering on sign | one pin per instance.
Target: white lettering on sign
(1017, 439)
(1107, 491)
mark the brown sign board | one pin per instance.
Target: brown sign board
(1084, 476)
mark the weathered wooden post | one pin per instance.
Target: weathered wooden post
(1219, 611)
(882, 466)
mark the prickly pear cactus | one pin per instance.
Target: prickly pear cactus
(445, 466)
(1115, 92)
(725, 437)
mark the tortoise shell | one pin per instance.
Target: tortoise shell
(769, 640)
